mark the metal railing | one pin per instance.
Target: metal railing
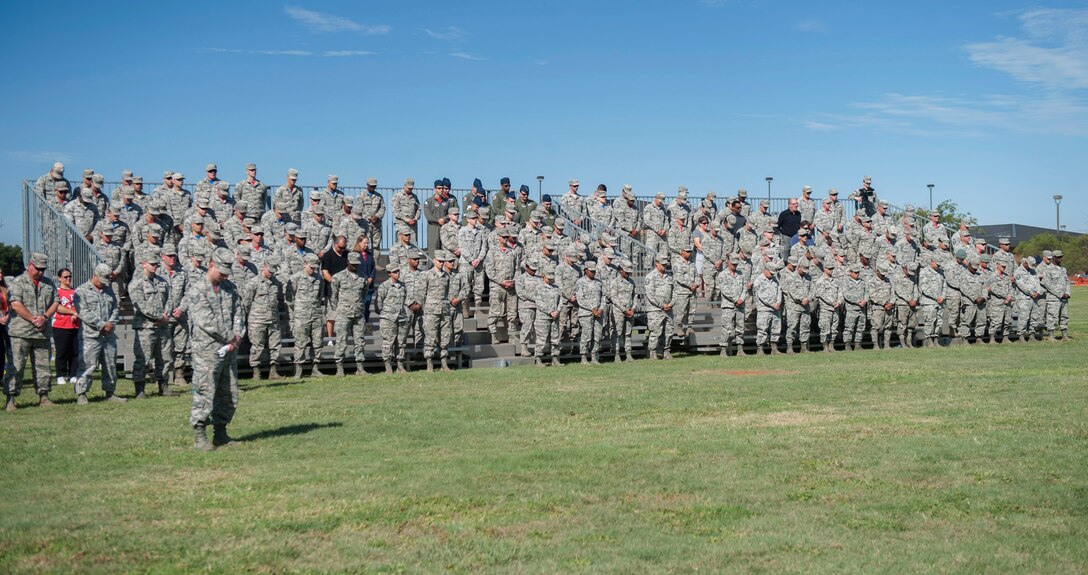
(47, 231)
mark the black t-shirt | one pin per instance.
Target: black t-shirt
(333, 263)
(789, 222)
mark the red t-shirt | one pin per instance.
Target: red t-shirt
(66, 298)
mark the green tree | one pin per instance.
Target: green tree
(951, 215)
(11, 259)
(1074, 247)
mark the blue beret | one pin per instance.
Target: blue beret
(438, 183)
(477, 184)
(546, 198)
(446, 183)
(524, 188)
(504, 181)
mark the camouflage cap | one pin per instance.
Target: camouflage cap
(1004, 241)
(222, 186)
(157, 208)
(764, 203)
(137, 179)
(334, 178)
(291, 228)
(530, 263)
(178, 176)
(212, 231)
(410, 183)
(832, 192)
(659, 195)
(608, 253)
(169, 249)
(372, 181)
(590, 266)
(980, 241)
(61, 186)
(910, 267)
(1048, 254)
(985, 258)
(152, 255)
(256, 229)
(742, 193)
(855, 268)
(203, 203)
(167, 175)
(311, 260)
(392, 268)
(417, 255)
(960, 254)
(506, 233)
(106, 231)
(830, 264)
(573, 182)
(348, 201)
(1058, 253)
(662, 259)
(560, 224)
(1029, 260)
(453, 210)
(251, 166)
(302, 234)
(102, 271)
(444, 256)
(223, 259)
(354, 258)
(627, 266)
(241, 207)
(154, 230)
(115, 207)
(318, 210)
(403, 230)
(734, 258)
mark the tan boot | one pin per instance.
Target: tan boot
(316, 371)
(556, 362)
(339, 370)
(298, 371)
(164, 390)
(200, 438)
(430, 365)
(10, 406)
(43, 401)
(401, 367)
(388, 367)
(445, 365)
(274, 373)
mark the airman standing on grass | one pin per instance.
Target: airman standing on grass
(96, 306)
(393, 319)
(659, 286)
(32, 297)
(589, 296)
(218, 327)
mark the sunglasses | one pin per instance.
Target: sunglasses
(66, 277)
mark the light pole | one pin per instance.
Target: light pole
(769, 178)
(540, 188)
(930, 186)
(1058, 214)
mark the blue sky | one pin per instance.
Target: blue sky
(987, 100)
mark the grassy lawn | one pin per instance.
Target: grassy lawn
(948, 460)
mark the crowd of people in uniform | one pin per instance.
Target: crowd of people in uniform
(208, 269)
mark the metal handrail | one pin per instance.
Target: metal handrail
(47, 231)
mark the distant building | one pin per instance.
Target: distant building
(1017, 233)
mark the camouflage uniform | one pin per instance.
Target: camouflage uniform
(414, 331)
(348, 294)
(566, 276)
(433, 295)
(654, 220)
(150, 297)
(254, 194)
(881, 304)
(797, 295)
(406, 207)
(714, 260)
(1027, 295)
(502, 263)
(621, 296)
(733, 288)
(261, 301)
(96, 307)
(973, 320)
(390, 303)
(906, 291)
(473, 244)
(371, 207)
(525, 286)
(83, 215)
(768, 295)
(548, 301)
(216, 315)
(683, 292)
(590, 298)
(827, 292)
(177, 329)
(659, 286)
(999, 304)
(1054, 280)
(28, 341)
(307, 315)
(854, 293)
(931, 288)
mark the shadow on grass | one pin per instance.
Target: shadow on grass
(253, 386)
(288, 430)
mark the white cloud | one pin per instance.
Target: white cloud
(283, 52)
(961, 116)
(465, 56)
(325, 23)
(347, 53)
(37, 156)
(447, 33)
(1054, 55)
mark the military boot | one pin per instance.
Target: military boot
(725, 351)
(538, 361)
(10, 406)
(1050, 337)
(585, 360)
(523, 350)
(555, 361)
(595, 360)
(667, 355)
(401, 367)
(775, 350)
(110, 397)
(200, 438)
(298, 371)
(653, 354)
(804, 347)
(43, 401)
(388, 367)
(140, 391)
(339, 369)
(273, 372)
(630, 357)
(445, 364)
(164, 390)
(315, 371)
(220, 437)
(82, 399)
(829, 347)
(179, 378)
(1065, 334)
(430, 365)
(789, 348)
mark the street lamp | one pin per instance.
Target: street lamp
(539, 188)
(1058, 214)
(930, 186)
(769, 178)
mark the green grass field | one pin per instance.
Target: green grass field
(949, 460)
